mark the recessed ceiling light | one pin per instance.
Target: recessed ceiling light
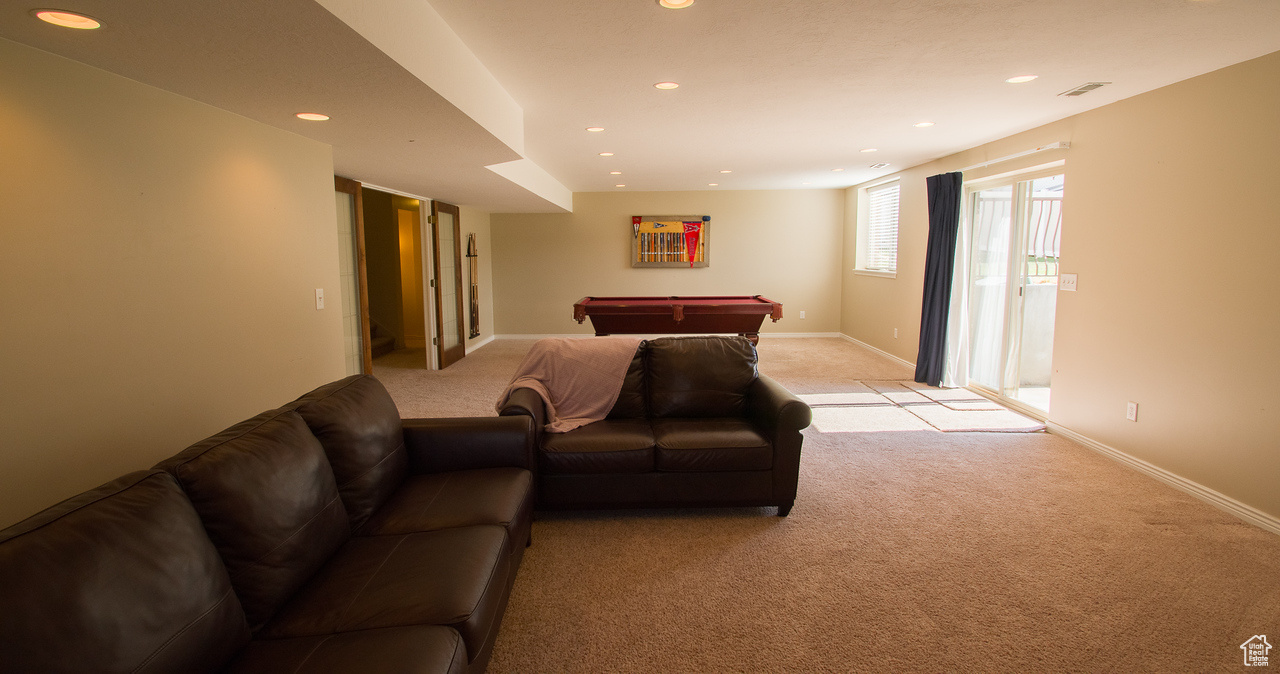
(615, 173)
(868, 149)
(726, 171)
(713, 184)
(1021, 79)
(665, 85)
(923, 124)
(312, 116)
(595, 129)
(806, 183)
(675, 4)
(836, 170)
(58, 17)
(619, 185)
(880, 165)
(606, 154)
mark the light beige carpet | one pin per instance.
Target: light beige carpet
(907, 551)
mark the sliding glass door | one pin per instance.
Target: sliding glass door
(1015, 234)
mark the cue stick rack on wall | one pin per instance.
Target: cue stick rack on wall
(473, 261)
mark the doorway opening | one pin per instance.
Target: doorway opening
(1015, 234)
(396, 275)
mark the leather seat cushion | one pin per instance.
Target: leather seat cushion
(420, 649)
(267, 497)
(608, 446)
(358, 425)
(710, 445)
(453, 577)
(457, 499)
(121, 578)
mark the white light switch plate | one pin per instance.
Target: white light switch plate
(1067, 282)
(319, 298)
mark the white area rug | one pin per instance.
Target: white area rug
(950, 420)
(867, 419)
(888, 406)
(843, 399)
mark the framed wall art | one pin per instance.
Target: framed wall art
(670, 240)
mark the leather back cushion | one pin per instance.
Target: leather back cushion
(121, 578)
(358, 425)
(631, 400)
(268, 499)
(700, 376)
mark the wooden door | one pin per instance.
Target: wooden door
(447, 278)
(355, 291)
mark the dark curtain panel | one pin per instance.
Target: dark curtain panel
(944, 226)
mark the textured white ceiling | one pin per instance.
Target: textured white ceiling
(780, 93)
(268, 60)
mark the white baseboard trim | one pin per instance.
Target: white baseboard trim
(1216, 499)
(522, 336)
(477, 345)
(882, 352)
(790, 335)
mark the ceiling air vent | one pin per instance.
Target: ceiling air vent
(880, 165)
(1083, 89)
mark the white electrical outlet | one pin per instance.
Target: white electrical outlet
(1067, 282)
(319, 298)
(801, 314)
(895, 333)
(1131, 412)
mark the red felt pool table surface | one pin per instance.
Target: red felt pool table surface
(676, 314)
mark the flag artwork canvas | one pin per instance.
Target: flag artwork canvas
(670, 240)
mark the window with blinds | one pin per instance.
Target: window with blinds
(878, 229)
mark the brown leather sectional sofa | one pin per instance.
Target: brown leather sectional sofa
(325, 536)
(695, 425)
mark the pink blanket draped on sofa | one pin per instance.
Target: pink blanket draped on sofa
(578, 379)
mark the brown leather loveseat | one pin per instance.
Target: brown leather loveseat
(694, 425)
(327, 535)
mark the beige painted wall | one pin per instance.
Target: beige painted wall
(783, 244)
(1171, 223)
(478, 222)
(157, 275)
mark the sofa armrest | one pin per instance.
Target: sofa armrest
(775, 409)
(527, 402)
(781, 416)
(438, 445)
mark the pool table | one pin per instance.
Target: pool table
(740, 314)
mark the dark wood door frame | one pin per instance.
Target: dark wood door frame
(352, 187)
(445, 358)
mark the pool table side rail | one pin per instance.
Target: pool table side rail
(676, 306)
